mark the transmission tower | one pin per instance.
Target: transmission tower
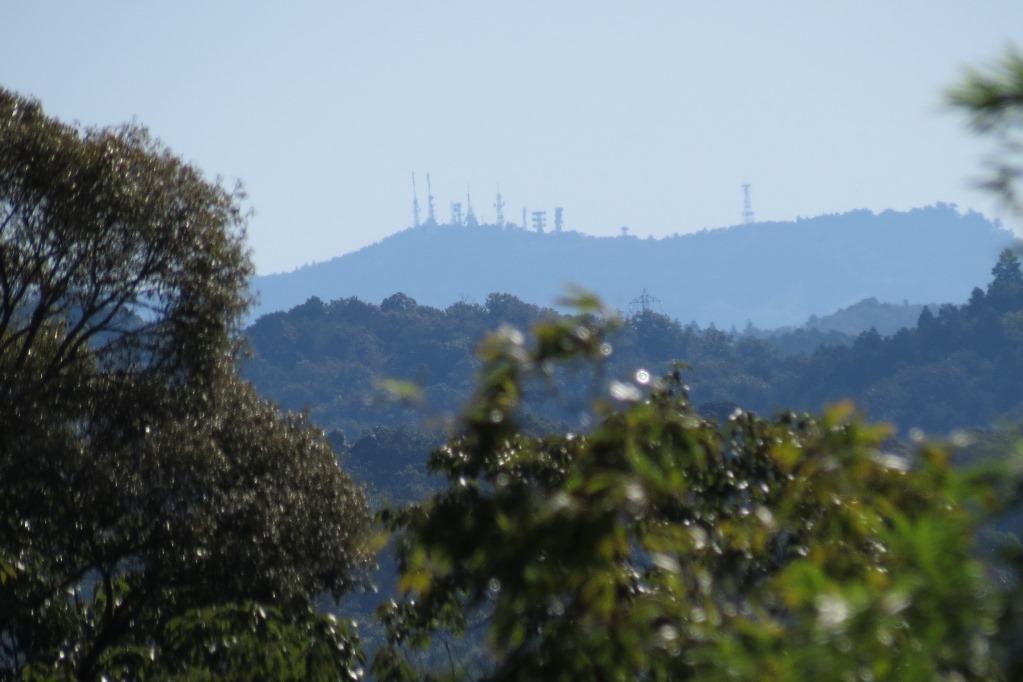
(431, 216)
(644, 301)
(470, 217)
(456, 212)
(499, 207)
(415, 203)
(525, 224)
(747, 204)
(559, 218)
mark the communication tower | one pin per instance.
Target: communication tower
(415, 203)
(559, 218)
(470, 217)
(539, 221)
(431, 216)
(525, 225)
(747, 204)
(499, 208)
(456, 212)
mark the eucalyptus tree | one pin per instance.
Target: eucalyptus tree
(142, 484)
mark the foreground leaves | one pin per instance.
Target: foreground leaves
(662, 545)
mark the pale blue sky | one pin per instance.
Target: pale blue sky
(647, 114)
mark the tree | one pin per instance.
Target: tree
(661, 545)
(1006, 289)
(141, 482)
(992, 98)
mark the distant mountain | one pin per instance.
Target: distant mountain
(885, 318)
(841, 327)
(770, 274)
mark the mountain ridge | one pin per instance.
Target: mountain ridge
(771, 274)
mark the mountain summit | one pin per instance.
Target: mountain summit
(770, 274)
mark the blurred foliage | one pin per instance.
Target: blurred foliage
(662, 546)
(148, 496)
(992, 98)
(246, 641)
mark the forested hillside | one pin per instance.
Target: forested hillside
(885, 318)
(957, 369)
(770, 274)
(841, 327)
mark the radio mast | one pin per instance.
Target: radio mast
(470, 217)
(747, 204)
(499, 207)
(415, 203)
(431, 216)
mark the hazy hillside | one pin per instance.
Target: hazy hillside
(959, 367)
(885, 318)
(841, 327)
(770, 274)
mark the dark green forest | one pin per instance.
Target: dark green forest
(547, 495)
(955, 369)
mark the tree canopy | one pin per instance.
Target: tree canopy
(141, 481)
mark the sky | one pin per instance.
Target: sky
(650, 114)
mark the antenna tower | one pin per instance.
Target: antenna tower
(747, 204)
(539, 221)
(415, 203)
(559, 218)
(456, 213)
(431, 216)
(499, 207)
(525, 225)
(470, 217)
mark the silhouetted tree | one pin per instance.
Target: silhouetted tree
(1006, 289)
(142, 483)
